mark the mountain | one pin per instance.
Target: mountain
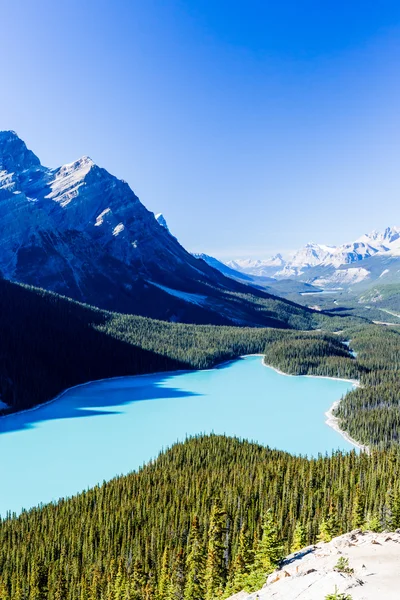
(161, 221)
(370, 257)
(79, 231)
(279, 287)
(259, 268)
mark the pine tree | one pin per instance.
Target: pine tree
(38, 583)
(4, 594)
(195, 564)
(137, 581)
(215, 573)
(358, 517)
(324, 534)
(95, 586)
(119, 583)
(242, 563)
(373, 523)
(329, 527)
(395, 511)
(163, 582)
(268, 554)
(299, 538)
(270, 550)
(61, 586)
(176, 588)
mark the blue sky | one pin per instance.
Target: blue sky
(254, 126)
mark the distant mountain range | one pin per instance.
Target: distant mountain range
(81, 232)
(372, 256)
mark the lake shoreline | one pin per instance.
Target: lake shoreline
(331, 420)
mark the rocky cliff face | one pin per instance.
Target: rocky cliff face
(81, 232)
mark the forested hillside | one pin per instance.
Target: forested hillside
(49, 342)
(206, 518)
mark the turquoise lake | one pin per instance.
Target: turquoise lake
(102, 429)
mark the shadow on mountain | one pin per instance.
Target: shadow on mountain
(49, 344)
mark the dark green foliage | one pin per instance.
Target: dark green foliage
(49, 343)
(195, 564)
(342, 566)
(216, 568)
(114, 536)
(371, 413)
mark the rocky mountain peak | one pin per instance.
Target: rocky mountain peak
(14, 155)
(161, 221)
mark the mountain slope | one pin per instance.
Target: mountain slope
(79, 231)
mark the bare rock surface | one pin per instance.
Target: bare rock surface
(373, 560)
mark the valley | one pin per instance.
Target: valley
(93, 387)
(199, 300)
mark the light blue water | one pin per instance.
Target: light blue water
(102, 429)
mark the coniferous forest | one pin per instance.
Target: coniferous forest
(239, 509)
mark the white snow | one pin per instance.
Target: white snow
(343, 276)
(322, 255)
(384, 273)
(100, 218)
(193, 298)
(118, 228)
(68, 179)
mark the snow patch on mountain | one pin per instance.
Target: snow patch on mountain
(343, 277)
(188, 297)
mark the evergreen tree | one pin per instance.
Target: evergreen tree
(38, 583)
(268, 554)
(358, 516)
(215, 573)
(176, 589)
(163, 582)
(395, 511)
(95, 586)
(299, 538)
(195, 564)
(373, 523)
(242, 563)
(61, 586)
(270, 550)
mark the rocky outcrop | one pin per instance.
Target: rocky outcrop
(363, 565)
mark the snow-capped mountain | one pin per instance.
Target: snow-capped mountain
(325, 265)
(259, 268)
(81, 232)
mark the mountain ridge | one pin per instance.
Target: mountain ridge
(79, 231)
(323, 265)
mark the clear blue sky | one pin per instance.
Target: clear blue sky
(253, 125)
